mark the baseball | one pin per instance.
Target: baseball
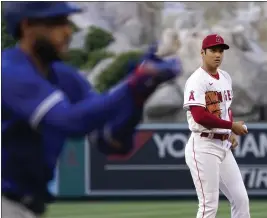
(245, 127)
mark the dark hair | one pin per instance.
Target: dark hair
(51, 21)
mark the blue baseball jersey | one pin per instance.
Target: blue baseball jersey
(39, 114)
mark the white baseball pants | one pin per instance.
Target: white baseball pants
(214, 168)
(11, 209)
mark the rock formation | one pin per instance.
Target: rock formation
(242, 24)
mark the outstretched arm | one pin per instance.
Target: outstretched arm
(35, 100)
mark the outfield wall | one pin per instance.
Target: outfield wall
(155, 168)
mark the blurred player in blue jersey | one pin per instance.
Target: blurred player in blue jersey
(45, 101)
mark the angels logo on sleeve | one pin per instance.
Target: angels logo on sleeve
(194, 93)
(191, 96)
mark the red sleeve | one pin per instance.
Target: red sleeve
(208, 120)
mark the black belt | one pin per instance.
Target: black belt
(34, 204)
(222, 137)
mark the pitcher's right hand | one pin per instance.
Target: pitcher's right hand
(238, 128)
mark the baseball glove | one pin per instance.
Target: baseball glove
(213, 103)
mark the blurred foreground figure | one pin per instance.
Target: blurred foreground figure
(45, 101)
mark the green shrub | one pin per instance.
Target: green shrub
(95, 57)
(6, 39)
(97, 38)
(74, 27)
(77, 57)
(116, 70)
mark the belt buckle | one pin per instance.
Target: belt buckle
(211, 135)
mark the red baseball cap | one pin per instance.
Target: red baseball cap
(214, 40)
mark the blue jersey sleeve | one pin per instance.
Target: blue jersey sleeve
(86, 88)
(35, 100)
(116, 136)
(28, 95)
(75, 80)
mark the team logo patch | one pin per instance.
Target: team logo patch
(218, 39)
(191, 96)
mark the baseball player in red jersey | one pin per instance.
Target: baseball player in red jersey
(208, 96)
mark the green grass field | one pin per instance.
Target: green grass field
(168, 209)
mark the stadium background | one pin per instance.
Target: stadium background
(156, 170)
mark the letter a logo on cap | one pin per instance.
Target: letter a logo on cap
(218, 39)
